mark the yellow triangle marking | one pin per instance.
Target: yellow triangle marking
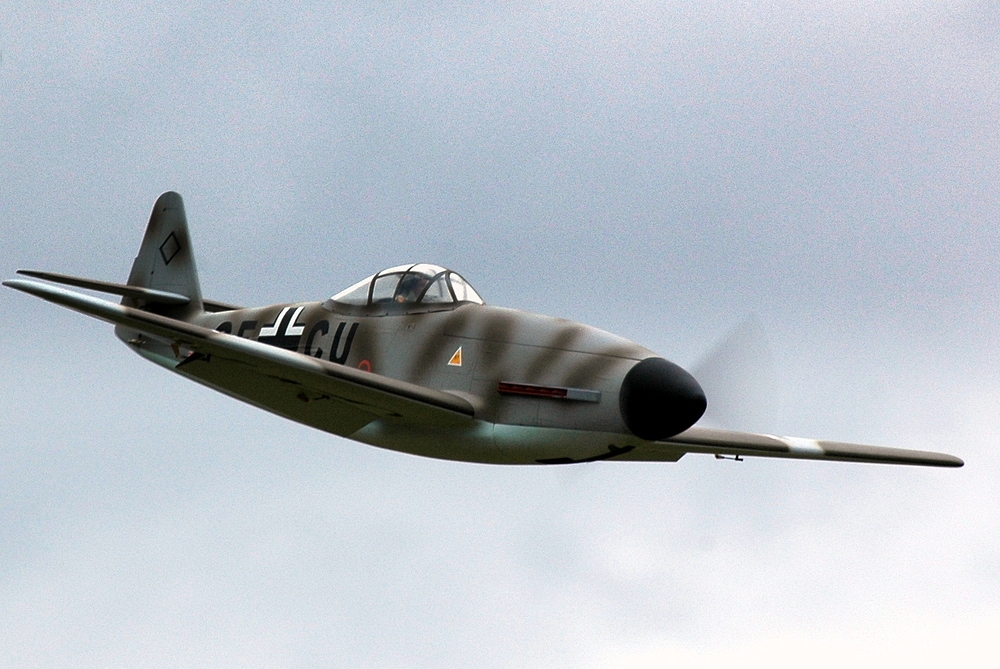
(456, 359)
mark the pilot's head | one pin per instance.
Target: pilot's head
(410, 288)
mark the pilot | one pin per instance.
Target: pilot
(410, 287)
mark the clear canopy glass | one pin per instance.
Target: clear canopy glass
(410, 284)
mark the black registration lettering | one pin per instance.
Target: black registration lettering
(321, 328)
(341, 358)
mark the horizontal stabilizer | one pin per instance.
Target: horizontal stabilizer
(137, 292)
(148, 294)
(734, 444)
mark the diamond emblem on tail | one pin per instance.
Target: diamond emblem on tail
(170, 248)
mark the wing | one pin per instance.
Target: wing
(724, 443)
(378, 395)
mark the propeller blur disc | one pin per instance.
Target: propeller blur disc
(739, 380)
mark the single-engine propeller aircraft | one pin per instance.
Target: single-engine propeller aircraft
(411, 359)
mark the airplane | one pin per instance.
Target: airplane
(411, 359)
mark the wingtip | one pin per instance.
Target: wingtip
(29, 287)
(939, 460)
(952, 461)
(942, 459)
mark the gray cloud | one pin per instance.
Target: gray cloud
(658, 170)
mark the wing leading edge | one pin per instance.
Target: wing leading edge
(377, 394)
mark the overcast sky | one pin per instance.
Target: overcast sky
(660, 170)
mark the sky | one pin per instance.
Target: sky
(667, 171)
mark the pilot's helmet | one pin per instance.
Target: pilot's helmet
(411, 287)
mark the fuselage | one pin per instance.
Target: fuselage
(543, 388)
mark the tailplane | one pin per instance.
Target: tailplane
(165, 262)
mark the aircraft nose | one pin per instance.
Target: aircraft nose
(659, 399)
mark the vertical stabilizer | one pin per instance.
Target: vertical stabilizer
(166, 259)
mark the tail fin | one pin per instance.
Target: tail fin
(166, 259)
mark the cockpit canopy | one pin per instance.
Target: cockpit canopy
(415, 285)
